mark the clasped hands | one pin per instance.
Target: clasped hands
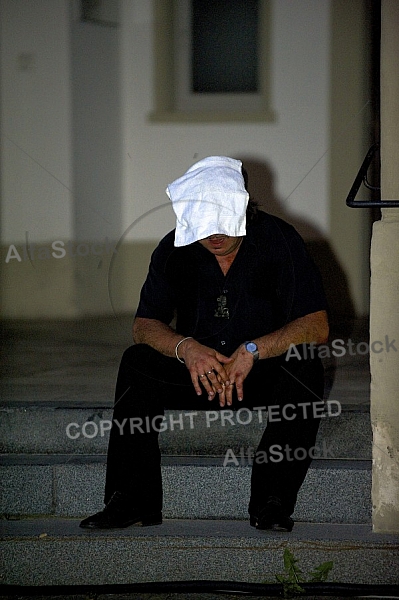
(218, 374)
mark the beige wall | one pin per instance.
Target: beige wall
(301, 164)
(72, 285)
(351, 126)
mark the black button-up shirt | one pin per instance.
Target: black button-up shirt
(271, 282)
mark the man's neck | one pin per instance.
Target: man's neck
(226, 261)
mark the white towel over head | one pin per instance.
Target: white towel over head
(210, 198)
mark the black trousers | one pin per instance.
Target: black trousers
(149, 382)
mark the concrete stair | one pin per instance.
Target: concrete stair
(46, 472)
(194, 488)
(49, 480)
(56, 552)
(53, 428)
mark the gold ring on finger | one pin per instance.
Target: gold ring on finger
(209, 372)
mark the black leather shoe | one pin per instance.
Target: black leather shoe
(118, 514)
(272, 516)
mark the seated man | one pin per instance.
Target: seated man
(242, 289)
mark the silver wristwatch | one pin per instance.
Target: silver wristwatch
(253, 349)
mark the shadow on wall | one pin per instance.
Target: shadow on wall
(341, 307)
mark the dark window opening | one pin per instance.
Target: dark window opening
(225, 46)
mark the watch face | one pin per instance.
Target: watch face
(251, 347)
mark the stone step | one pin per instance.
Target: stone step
(45, 552)
(345, 433)
(194, 488)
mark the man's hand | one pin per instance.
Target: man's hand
(237, 370)
(205, 366)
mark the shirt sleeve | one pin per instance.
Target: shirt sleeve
(157, 298)
(299, 284)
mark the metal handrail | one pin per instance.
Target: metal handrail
(361, 177)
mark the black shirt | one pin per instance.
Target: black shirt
(271, 282)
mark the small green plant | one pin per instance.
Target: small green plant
(293, 577)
